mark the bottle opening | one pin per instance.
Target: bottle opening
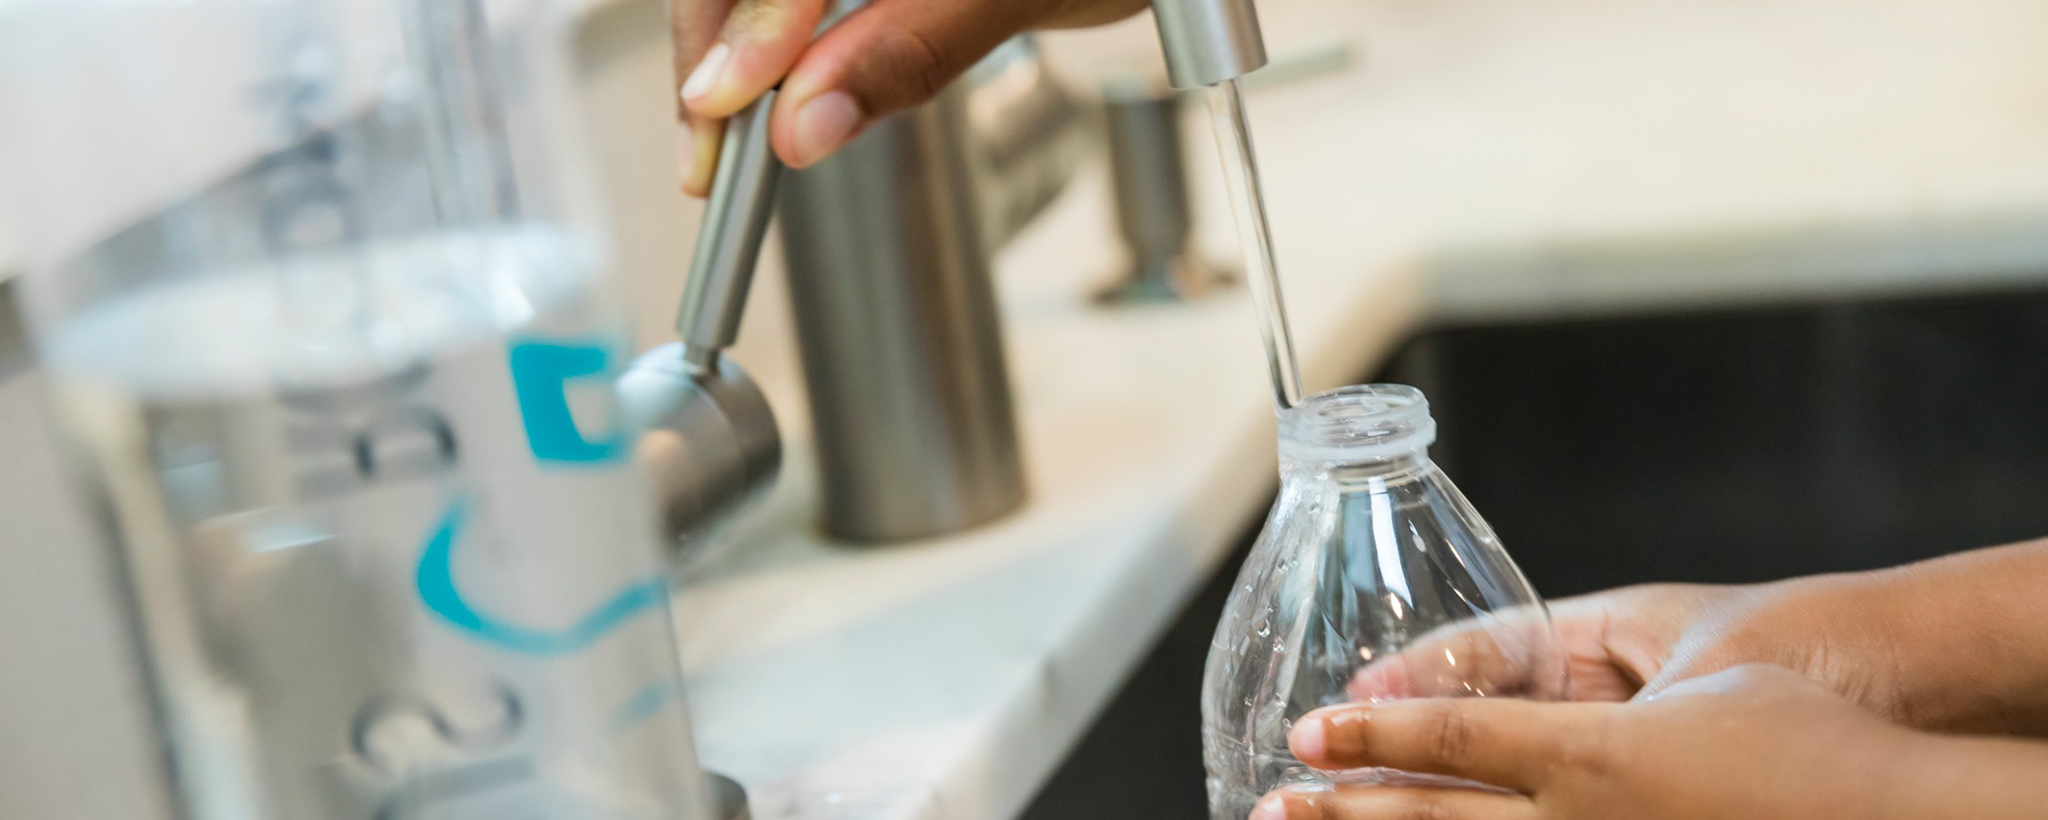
(1362, 422)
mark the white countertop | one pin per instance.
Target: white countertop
(1490, 156)
(1487, 157)
(947, 678)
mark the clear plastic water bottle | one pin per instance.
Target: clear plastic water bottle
(317, 286)
(1373, 579)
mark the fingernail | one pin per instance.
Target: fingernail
(1334, 734)
(823, 124)
(708, 72)
(1272, 807)
(1308, 738)
(686, 150)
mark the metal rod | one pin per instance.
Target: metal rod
(729, 243)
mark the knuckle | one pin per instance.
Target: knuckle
(1427, 807)
(759, 18)
(1447, 736)
(1584, 754)
(921, 67)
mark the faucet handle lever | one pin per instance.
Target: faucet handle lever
(729, 241)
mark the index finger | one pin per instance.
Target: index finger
(1507, 653)
(693, 25)
(1505, 742)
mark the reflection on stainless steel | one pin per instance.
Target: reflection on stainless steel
(1209, 41)
(730, 797)
(708, 440)
(1024, 139)
(729, 242)
(1148, 171)
(896, 316)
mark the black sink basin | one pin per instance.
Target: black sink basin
(1731, 446)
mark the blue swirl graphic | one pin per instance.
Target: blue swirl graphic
(436, 583)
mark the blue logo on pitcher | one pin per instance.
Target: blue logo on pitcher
(435, 580)
(541, 373)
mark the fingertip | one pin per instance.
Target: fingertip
(805, 82)
(823, 124)
(728, 79)
(698, 155)
(761, 41)
(1332, 737)
(708, 74)
(1270, 807)
(1309, 739)
(1384, 679)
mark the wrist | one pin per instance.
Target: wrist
(1966, 635)
(1852, 631)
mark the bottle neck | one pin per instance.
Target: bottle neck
(1361, 474)
(1369, 433)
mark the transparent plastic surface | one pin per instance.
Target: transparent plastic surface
(330, 335)
(1374, 579)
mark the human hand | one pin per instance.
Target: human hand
(1643, 640)
(1955, 644)
(1754, 742)
(885, 56)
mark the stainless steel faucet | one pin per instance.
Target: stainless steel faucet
(1148, 175)
(888, 246)
(1206, 42)
(707, 437)
(888, 243)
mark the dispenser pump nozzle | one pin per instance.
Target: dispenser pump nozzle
(1209, 41)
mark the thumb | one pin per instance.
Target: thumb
(884, 57)
(1685, 669)
(727, 53)
(759, 42)
(1747, 680)
(693, 25)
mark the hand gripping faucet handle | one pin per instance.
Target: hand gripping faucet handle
(1209, 41)
(707, 436)
(729, 242)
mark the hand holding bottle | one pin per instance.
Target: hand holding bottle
(1954, 644)
(1755, 742)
